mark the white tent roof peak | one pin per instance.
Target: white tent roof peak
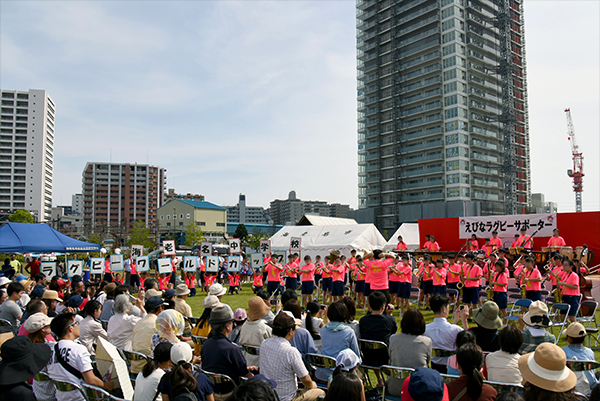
(313, 220)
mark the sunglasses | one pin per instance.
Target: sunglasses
(74, 323)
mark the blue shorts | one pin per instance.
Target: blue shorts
(404, 290)
(394, 287)
(272, 286)
(359, 286)
(291, 283)
(501, 299)
(533, 295)
(427, 287)
(439, 289)
(337, 289)
(308, 287)
(367, 289)
(317, 278)
(452, 286)
(327, 283)
(471, 295)
(572, 300)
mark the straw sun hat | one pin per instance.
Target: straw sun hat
(547, 368)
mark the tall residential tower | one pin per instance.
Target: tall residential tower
(442, 109)
(27, 152)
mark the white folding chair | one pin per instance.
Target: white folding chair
(555, 313)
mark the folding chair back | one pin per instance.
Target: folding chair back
(251, 349)
(6, 326)
(198, 339)
(393, 372)
(218, 378)
(581, 366)
(130, 356)
(590, 316)
(321, 361)
(192, 320)
(505, 387)
(104, 324)
(513, 314)
(556, 311)
(94, 393)
(442, 353)
(65, 387)
(367, 346)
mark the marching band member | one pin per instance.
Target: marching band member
(326, 280)
(519, 266)
(525, 240)
(473, 244)
(338, 274)
(378, 268)
(579, 266)
(394, 280)
(495, 242)
(501, 257)
(367, 285)
(570, 288)
(439, 277)
(532, 278)
(489, 267)
(425, 246)
(308, 280)
(350, 266)
(359, 277)
(425, 273)
(454, 270)
(405, 269)
(318, 269)
(515, 242)
(556, 265)
(433, 245)
(556, 240)
(273, 269)
(401, 244)
(499, 283)
(487, 248)
(472, 277)
(291, 273)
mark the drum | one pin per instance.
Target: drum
(515, 250)
(567, 251)
(545, 249)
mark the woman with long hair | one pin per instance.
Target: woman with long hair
(312, 320)
(181, 379)
(146, 382)
(469, 386)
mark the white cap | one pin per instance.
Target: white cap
(217, 290)
(36, 322)
(181, 352)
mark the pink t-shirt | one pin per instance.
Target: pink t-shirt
(310, 276)
(427, 244)
(319, 267)
(556, 241)
(163, 282)
(533, 285)
(434, 246)
(487, 249)
(326, 274)
(497, 242)
(555, 270)
(572, 278)
(395, 276)
(505, 261)
(473, 271)
(401, 246)
(379, 272)
(441, 278)
(428, 271)
(360, 275)
(405, 272)
(258, 279)
(274, 272)
(338, 272)
(503, 279)
(473, 245)
(524, 241)
(453, 273)
(290, 269)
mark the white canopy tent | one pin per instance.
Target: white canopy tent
(318, 240)
(410, 235)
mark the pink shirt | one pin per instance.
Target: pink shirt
(428, 271)
(555, 270)
(473, 271)
(405, 272)
(310, 276)
(473, 245)
(556, 241)
(234, 280)
(379, 273)
(401, 246)
(274, 272)
(487, 249)
(396, 276)
(505, 261)
(503, 279)
(531, 285)
(360, 275)
(525, 241)
(327, 274)
(497, 242)
(338, 272)
(290, 269)
(453, 273)
(439, 276)
(572, 278)
(514, 244)
(163, 282)
(427, 244)
(319, 267)
(258, 279)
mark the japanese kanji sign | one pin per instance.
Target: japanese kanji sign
(142, 264)
(507, 226)
(169, 247)
(164, 265)
(235, 246)
(96, 265)
(256, 259)
(281, 256)
(48, 269)
(136, 250)
(205, 248)
(295, 244)
(74, 268)
(212, 264)
(265, 246)
(233, 264)
(189, 263)
(116, 263)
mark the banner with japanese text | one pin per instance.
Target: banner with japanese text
(507, 226)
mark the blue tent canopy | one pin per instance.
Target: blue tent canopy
(25, 237)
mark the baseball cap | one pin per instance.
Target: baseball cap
(576, 330)
(181, 351)
(36, 322)
(285, 319)
(153, 293)
(170, 293)
(424, 384)
(75, 301)
(155, 302)
(240, 315)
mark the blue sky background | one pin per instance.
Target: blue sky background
(259, 97)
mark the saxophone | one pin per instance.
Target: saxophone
(557, 292)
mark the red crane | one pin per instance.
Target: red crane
(577, 172)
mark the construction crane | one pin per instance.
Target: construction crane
(577, 172)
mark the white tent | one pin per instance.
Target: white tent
(410, 235)
(312, 220)
(318, 240)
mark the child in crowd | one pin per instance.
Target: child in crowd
(439, 277)
(190, 281)
(499, 284)
(405, 269)
(119, 278)
(257, 280)
(210, 280)
(234, 282)
(163, 281)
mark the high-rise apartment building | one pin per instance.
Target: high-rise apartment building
(442, 109)
(26, 152)
(241, 213)
(77, 203)
(289, 211)
(117, 195)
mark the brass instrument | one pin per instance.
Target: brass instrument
(490, 293)
(523, 291)
(557, 292)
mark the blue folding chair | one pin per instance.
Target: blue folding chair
(520, 303)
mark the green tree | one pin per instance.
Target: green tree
(21, 216)
(241, 232)
(253, 239)
(193, 235)
(140, 235)
(95, 239)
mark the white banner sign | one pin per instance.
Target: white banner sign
(233, 264)
(48, 269)
(136, 251)
(169, 248)
(265, 246)
(235, 246)
(164, 266)
(507, 226)
(142, 264)
(257, 260)
(295, 244)
(205, 248)
(116, 263)
(75, 268)
(212, 264)
(97, 266)
(189, 263)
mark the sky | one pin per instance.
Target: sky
(259, 97)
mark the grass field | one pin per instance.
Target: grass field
(241, 301)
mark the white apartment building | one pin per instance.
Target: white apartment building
(27, 152)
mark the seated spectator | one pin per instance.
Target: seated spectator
(219, 355)
(288, 295)
(577, 351)
(346, 361)
(462, 338)
(488, 323)
(21, 360)
(141, 337)
(302, 340)
(410, 348)
(170, 325)
(546, 375)
(283, 363)
(469, 386)
(100, 295)
(268, 318)
(336, 336)
(10, 310)
(51, 299)
(180, 379)
(351, 322)
(70, 360)
(255, 330)
(109, 301)
(535, 334)
(346, 386)
(442, 333)
(90, 327)
(503, 365)
(120, 325)
(181, 293)
(202, 328)
(27, 288)
(217, 290)
(313, 321)
(424, 384)
(147, 380)
(252, 390)
(239, 318)
(39, 332)
(3, 296)
(33, 307)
